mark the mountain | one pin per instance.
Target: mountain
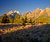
(17, 12)
(29, 14)
(10, 13)
(39, 14)
(24, 14)
(13, 13)
(34, 14)
(48, 11)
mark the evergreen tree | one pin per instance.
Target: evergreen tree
(5, 19)
(25, 19)
(17, 19)
(0, 19)
(43, 19)
(31, 20)
(22, 21)
(11, 20)
(28, 20)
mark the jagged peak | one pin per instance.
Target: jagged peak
(41, 10)
(47, 8)
(29, 12)
(16, 11)
(38, 8)
(10, 12)
(24, 13)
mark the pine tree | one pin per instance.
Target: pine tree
(5, 19)
(28, 20)
(11, 20)
(17, 19)
(43, 19)
(31, 20)
(0, 19)
(23, 21)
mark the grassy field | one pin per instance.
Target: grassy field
(27, 33)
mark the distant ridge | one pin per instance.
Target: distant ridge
(37, 13)
(34, 14)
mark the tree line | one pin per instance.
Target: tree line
(20, 20)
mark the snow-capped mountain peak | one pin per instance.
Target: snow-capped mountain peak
(13, 12)
(17, 12)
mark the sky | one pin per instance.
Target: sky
(22, 5)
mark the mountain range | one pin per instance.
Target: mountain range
(37, 13)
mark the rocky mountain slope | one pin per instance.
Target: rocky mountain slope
(37, 13)
(13, 13)
(34, 14)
